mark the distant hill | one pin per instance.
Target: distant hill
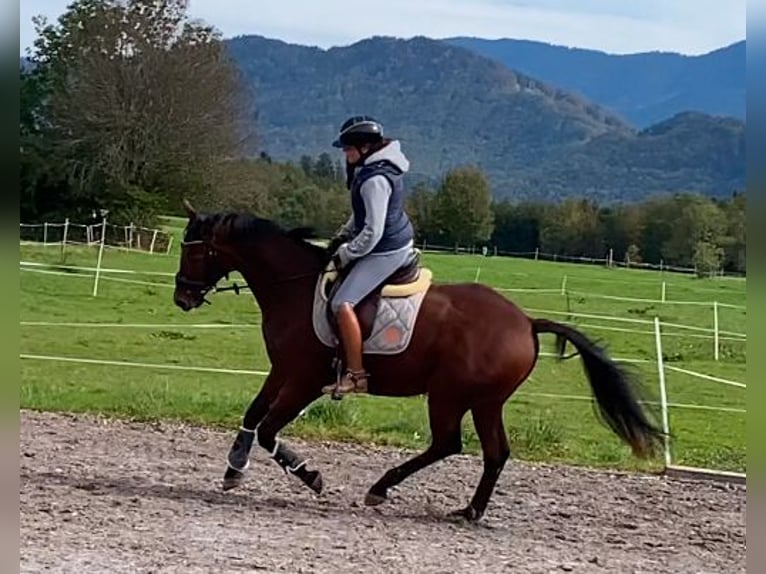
(447, 104)
(452, 107)
(642, 88)
(689, 152)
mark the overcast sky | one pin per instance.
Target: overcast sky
(616, 26)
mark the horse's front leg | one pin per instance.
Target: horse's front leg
(291, 400)
(238, 459)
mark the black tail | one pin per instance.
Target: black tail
(614, 387)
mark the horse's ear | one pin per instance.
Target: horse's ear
(190, 211)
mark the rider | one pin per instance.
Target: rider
(378, 237)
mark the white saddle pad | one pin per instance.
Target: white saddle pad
(391, 330)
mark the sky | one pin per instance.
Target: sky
(614, 26)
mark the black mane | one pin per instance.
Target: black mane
(246, 226)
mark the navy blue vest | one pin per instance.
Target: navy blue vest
(398, 230)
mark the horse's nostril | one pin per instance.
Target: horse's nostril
(181, 302)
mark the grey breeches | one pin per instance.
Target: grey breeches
(366, 274)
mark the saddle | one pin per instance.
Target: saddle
(408, 280)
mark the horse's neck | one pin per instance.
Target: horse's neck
(280, 276)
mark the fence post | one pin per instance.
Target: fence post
(478, 271)
(45, 234)
(154, 238)
(63, 237)
(170, 244)
(663, 291)
(537, 252)
(564, 285)
(100, 254)
(663, 392)
(715, 329)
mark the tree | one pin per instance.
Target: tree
(420, 207)
(622, 226)
(707, 258)
(517, 227)
(324, 167)
(573, 228)
(632, 254)
(143, 104)
(694, 219)
(735, 241)
(42, 178)
(463, 207)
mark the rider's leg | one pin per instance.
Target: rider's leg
(366, 274)
(351, 333)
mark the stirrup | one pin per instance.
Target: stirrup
(354, 377)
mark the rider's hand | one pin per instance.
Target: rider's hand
(335, 243)
(340, 257)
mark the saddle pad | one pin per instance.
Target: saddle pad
(391, 330)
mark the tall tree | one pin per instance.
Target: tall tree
(574, 229)
(517, 226)
(421, 209)
(464, 206)
(143, 103)
(736, 226)
(695, 219)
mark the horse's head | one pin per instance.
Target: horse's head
(202, 264)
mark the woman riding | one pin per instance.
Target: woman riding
(377, 239)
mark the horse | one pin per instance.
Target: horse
(470, 350)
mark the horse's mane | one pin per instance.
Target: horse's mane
(246, 226)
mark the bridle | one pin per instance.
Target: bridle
(201, 287)
(209, 252)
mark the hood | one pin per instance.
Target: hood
(393, 153)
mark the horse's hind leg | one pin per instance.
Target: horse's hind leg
(238, 458)
(488, 420)
(446, 440)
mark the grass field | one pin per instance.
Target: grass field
(550, 417)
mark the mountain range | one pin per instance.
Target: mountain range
(542, 121)
(643, 88)
(451, 106)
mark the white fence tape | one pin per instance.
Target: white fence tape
(161, 366)
(55, 267)
(707, 377)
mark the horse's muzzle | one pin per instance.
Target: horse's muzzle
(187, 300)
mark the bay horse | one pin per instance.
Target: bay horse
(470, 350)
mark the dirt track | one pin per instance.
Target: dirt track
(101, 496)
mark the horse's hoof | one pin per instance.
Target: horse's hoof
(314, 481)
(372, 499)
(232, 479)
(469, 513)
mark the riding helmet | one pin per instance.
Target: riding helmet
(359, 130)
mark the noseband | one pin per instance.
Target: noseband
(207, 252)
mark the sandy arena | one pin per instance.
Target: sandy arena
(105, 496)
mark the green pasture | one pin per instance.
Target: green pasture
(550, 418)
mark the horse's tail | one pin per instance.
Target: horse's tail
(613, 386)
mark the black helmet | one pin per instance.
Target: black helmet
(359, 130)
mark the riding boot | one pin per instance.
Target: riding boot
(354, 380)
